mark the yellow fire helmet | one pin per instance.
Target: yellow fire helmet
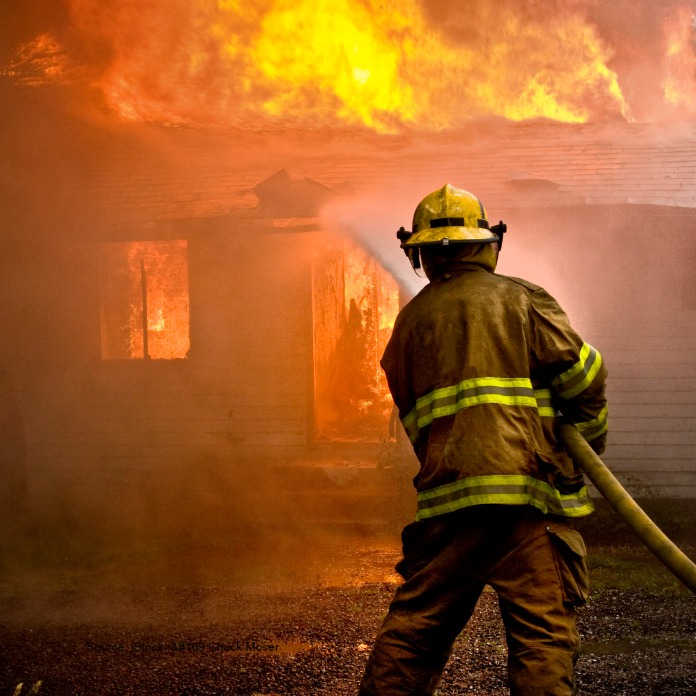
(450, 216)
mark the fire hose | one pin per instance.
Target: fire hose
(627, 508)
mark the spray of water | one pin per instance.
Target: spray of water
(371, 220)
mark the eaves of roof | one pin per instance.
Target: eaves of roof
(146, 174)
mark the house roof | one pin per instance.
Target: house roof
(120, 175)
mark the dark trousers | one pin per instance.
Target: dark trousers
(536, 566)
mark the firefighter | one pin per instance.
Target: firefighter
(481, 367)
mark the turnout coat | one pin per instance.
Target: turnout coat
(480, 367)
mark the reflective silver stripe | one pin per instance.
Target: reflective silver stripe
(501, 489)
(446, 401)
(592, 429)
(576, 379)
(544, 400)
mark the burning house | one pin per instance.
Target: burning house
(200, 267)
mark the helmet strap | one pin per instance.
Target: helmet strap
(413, 253)
(499, 230)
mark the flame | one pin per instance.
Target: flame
(158, 270)
(156, 322)
(381, 64)
(40, 61)
(355, 303)
(680, 60)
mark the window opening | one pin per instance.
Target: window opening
(144, 300)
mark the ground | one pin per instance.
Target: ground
(189, 621)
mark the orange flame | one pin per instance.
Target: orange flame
(158, 271)
(680, 60)
(382, 64)
(355, 306)
(40, 61)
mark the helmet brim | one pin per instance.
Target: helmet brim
(454, 235)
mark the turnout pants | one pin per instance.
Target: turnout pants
(536, 565)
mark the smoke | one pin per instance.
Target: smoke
(636, 35)
(640, 35)
(372, 220)
(69, 184)
(441, 64)
(21, 22)
(50, 164)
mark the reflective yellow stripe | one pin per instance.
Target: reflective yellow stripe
(576, 379)
(446, 401)
(579, 365)
(592, 429)
(500, 489)
(544, 400)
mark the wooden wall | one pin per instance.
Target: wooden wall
(134, 443)
(625, 276)
(142, 445)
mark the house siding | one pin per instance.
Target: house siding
(623, 274)
(98, 429)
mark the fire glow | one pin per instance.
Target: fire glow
(384, 66)
(145, 304)
(680, 61)
(377, 64)
(355, 303)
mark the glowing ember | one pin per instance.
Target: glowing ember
(40, 61)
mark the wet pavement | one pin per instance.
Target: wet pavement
(308, 633)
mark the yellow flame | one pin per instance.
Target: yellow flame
(383, 64)
(156, 322)
(679, 84)
(39, 61)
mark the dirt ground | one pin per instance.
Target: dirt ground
(196, 621)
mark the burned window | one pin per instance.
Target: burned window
(144, 300)
(355, 302)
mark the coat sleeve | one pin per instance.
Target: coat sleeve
(573, 369)
(393, 365)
